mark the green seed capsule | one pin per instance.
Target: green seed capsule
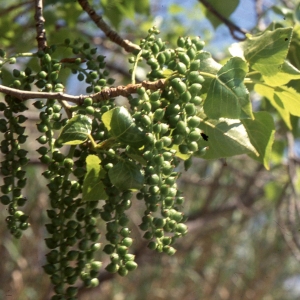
(181, 228)
(199, 45)
(159, 114)
(161, 58)
(146, 120)
(185, 97)
(153, 179)
(190, 109)
(196, 100)
(181, 42)
(17, 83)
(164, 128)
(173, 109)
(194, 135)
(157, 128)
(193, 146)
(184, 58)
(178, 139)
(194, 121)
(173, 120)
(127, 241)
(166, 140)
(178, 85)
(191, 52)
(195, 65)
(172, 64)
(16, 73)
(181, 68)
(47, 58)
(153, 63)
(181, 127)
(112, 268)
(155, 96)
(131, 265)
(183, 149)
(122, 271)
(195, 77)
(155, 48)
(195, 89)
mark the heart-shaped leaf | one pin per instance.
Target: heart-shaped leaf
(126, 175)
(265, 52)
(225, 138)
(227, 96)
(122, 127)
(76, 130)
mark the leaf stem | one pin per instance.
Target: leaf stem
(208, 74)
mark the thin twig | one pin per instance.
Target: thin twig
(290, 242)
(111, 34)
(105, 94)
(41, 32)
(233, 28)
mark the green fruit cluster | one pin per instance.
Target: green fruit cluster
(165, 123)
(88, 67)
(12, 167)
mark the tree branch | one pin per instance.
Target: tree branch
(233, 28)
(111, 34)
(41, 32)
(105, 94)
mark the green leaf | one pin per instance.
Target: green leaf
(285, 99)
(265, 52)
(93, 188)
(224, 10)
(136, 155)
(122, 127)
(287, 73)
(226, 138)
(207, 65)
(227, 95)
(261, 133)
(126, 175)
(76, 131)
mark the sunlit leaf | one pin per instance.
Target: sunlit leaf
(76, 131)
(226, 138)
(266, 52)
(285, 99)
(93, 188)
(122, 127)
(287, 73)
(261, 132)
(227, 95)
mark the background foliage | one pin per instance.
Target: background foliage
(242, 219)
